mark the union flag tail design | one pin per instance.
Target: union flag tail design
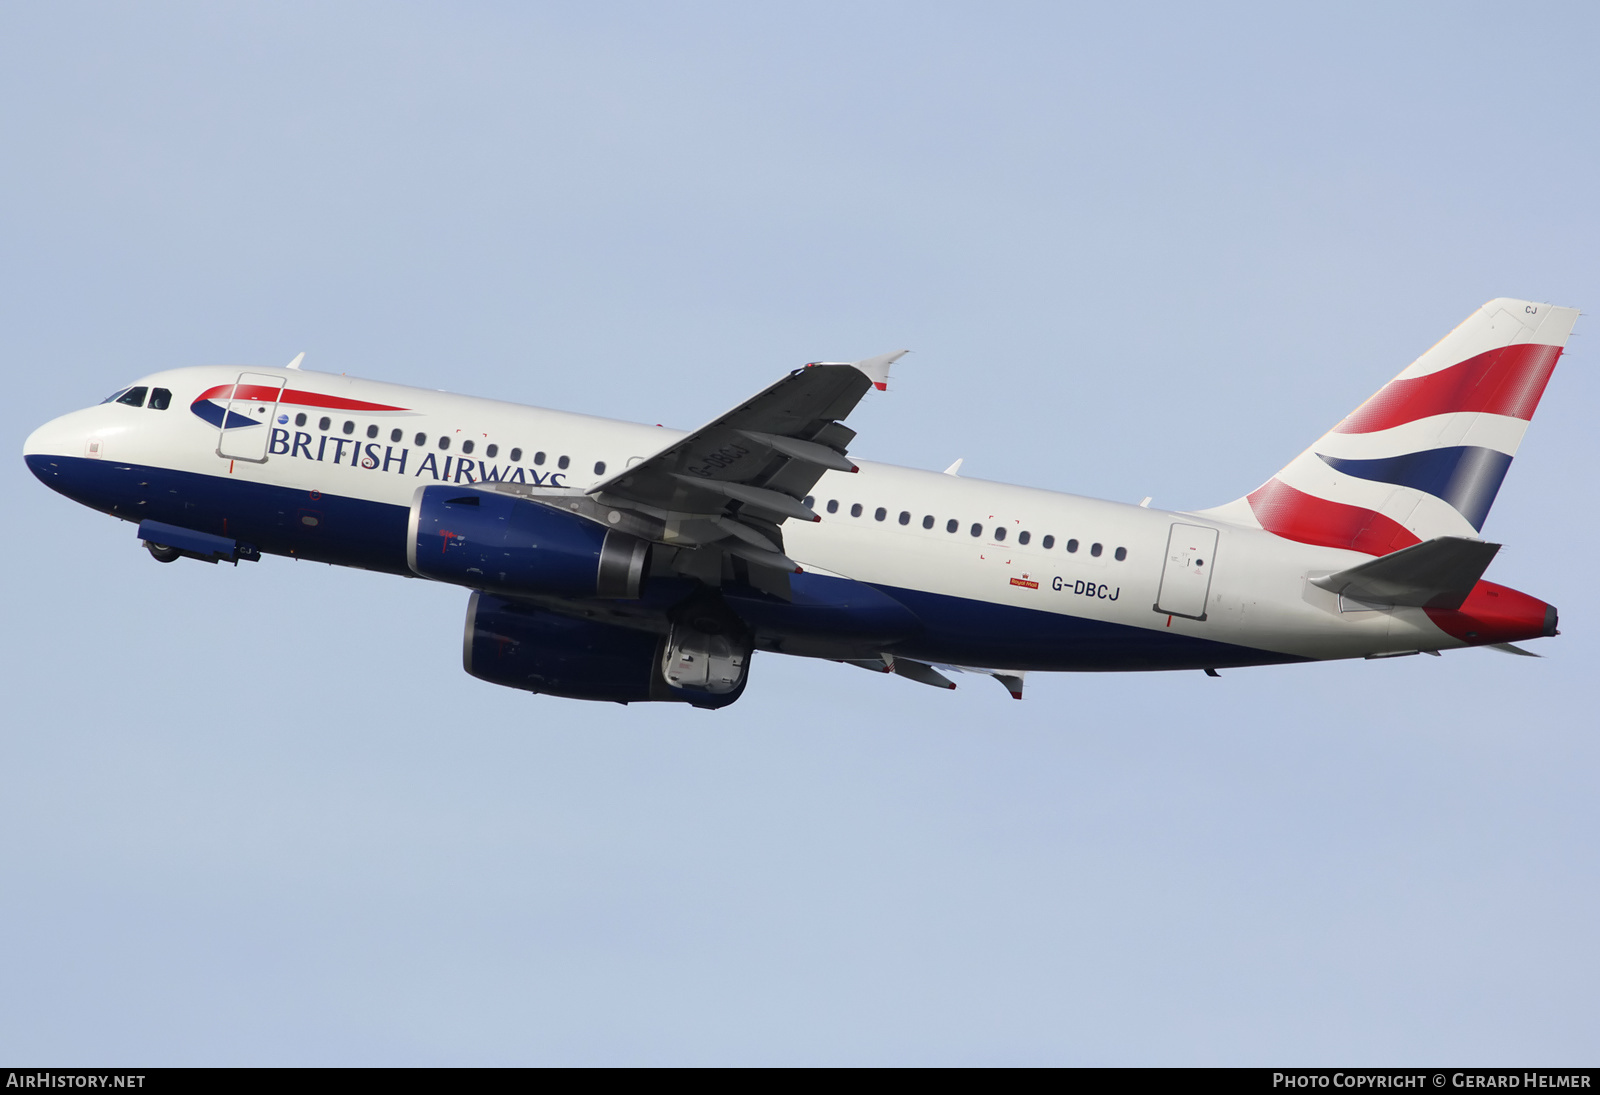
(1425, 456)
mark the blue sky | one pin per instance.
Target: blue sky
(260, 815)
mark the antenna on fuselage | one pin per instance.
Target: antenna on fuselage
(298, 358)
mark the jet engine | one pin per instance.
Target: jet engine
(488, 540)
(522, 646)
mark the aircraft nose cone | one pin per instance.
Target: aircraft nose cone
(36, 451)
(55, 438)
(46, 447)
(35, 443)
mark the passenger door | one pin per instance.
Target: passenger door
(247, 422)
(1186, 572)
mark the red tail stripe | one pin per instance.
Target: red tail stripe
(268, 394)
(1296, 515)
(1506, 381)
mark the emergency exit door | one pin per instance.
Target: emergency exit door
(1186, 571)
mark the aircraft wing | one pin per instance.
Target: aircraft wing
(734, 481)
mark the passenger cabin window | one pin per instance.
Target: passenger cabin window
(600, 469)
(516, 456)
(833, 505)
(300, 419)
(133, 397)
(1121, 554)
(1072, 547)
(562, 463)
(1024, 537)
(905, 517)
(420, 440)
(927, 522)
(1048, 542)
(466, 447)
(395, 436)
(999, 532)
(879, 514)
(160, 399)
(349, 427)
(444, 443)
(951, 525)
(372, 430)
(1095, 549)
(492, 451)
(977, 529)
(538, 458)
(324, 423)
(855, 510)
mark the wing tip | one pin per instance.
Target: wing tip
(877, 368)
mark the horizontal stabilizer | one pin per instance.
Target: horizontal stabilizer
(1433, 574)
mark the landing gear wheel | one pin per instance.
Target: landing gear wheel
(161, 553)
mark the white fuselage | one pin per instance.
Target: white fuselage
(1258, 596)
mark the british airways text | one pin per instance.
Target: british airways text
(358, 454)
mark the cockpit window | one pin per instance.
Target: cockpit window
(134, 397)
(114, 396)
(160, 399)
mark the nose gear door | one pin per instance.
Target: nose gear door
(247, 422)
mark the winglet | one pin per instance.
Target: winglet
(955, 469)
(877, 368)
(298, 358)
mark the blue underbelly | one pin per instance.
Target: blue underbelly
(911, 623)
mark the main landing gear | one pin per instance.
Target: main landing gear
(161, 553)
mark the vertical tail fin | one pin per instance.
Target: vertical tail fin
(1425, 456)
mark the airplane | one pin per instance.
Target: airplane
(621, 562)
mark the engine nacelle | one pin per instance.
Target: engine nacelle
(489, 540)
(522, 646)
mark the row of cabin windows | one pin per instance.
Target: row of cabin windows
(467, 447)
(952, 526)
(160, 398)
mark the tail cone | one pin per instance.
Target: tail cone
(1495, 614)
